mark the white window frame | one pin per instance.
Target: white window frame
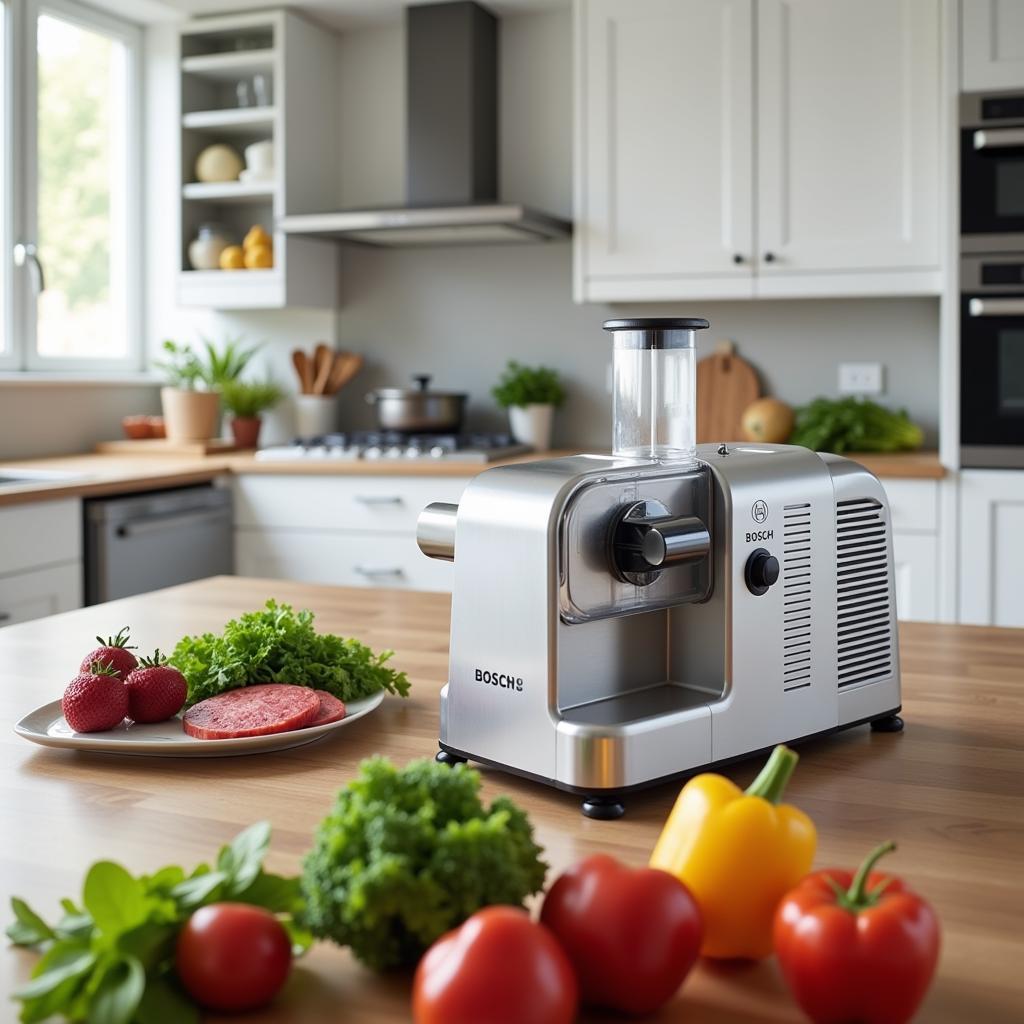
(21, 159)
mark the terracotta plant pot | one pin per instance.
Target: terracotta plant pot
(190, 415)
(246, 431)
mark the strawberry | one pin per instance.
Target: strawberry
(95, 700)
(156, 690)
(115, 652)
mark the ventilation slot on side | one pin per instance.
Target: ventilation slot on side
(864, 622)
(796, 596)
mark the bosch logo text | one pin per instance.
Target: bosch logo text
(506, 682)
(757, 536)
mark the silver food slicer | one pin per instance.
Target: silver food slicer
(623, 619)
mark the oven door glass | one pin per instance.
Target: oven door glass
(992, 181)
(991, 372)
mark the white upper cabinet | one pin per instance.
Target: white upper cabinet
(992, 44)
(840, 194)
(848, 148)
(664, 139)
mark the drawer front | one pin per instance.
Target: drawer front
(43, 533)
(31, 595)
(375, 503)
(913, 504)
(342, 559)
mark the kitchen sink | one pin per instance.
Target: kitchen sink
(11, 477)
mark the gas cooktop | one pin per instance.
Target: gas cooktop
(367, 444)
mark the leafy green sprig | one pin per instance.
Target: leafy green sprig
(111, 959)
(528, 385)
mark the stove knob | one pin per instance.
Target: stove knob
(761, 572)
(394, 452)
(437, 452)
(373, 452)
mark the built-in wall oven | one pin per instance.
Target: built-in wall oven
(992, 361)
(992, 172)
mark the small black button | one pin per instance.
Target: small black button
(762, 571)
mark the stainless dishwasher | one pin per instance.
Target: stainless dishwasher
(142, 542)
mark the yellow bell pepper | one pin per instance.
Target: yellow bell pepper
(738, 853)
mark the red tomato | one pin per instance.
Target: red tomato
(632, 935)
(232, 956)
(498, 968)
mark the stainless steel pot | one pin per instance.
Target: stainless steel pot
(417, 410)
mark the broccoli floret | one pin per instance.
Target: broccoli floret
(405, 855)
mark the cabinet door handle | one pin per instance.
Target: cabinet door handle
(382, 572)
(737, 257)
(769, 257)
(999, 138)
(996, 307)
(379, 499)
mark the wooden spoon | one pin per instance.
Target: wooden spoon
(304, 369)
(323, 363)
(346, 366)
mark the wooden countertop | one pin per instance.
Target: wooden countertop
(97, 475)
(949, 790)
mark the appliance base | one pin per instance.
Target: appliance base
(607, 804)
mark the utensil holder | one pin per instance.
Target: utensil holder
(315, 415)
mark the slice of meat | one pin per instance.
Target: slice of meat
(331, 709)
(252, 711)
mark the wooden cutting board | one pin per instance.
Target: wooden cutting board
(726, 385)
(162, 446)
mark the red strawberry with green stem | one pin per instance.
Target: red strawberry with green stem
(115, 652)
(156, 690)
(95, 699)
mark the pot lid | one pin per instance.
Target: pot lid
(419, 390)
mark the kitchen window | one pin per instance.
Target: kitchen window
(70, 280)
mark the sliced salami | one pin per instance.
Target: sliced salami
(252, 711)
(331, 709)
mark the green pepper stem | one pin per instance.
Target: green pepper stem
(856, 897)
(771, 782)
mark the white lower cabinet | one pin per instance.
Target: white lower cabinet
(992, 547)
(914, 513)
(341, 530)
(40, 559)
(31, 595)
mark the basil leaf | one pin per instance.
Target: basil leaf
(62, 962)
(58, 1000)
(77, 927)
(113, 897)
(69, 907)
(164, 880)
(193, 892)
(243, 859)
(118, 993)
(151, 943)
(28, 928)
(163, 1003)
(275, 893)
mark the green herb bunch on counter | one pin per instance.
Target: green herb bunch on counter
(111, 959)
(854, 425)
(407, 854)
(279, 645)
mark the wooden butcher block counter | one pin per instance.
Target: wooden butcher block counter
(949, 790)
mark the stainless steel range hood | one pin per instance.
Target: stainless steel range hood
(451, 145)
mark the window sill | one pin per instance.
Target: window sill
(80, 379)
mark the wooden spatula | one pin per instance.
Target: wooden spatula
(346, 366)
(304, 368)
(323, 363)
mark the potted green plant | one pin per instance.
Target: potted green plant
(190, 407)
(244, 401)
(531, 395)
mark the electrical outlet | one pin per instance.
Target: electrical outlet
(860, 378)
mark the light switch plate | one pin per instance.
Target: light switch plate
(861, 378)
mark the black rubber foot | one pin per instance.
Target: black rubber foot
(603, 808)
(444, 757)
(891, 723)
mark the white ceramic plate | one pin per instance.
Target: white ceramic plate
(46, 725)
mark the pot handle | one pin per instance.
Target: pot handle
(422, 380)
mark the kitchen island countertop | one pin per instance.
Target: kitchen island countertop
(97, 475)
(949, 790)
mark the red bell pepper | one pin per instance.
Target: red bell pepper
(856, 947)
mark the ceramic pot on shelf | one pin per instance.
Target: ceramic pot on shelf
(245, 430)
(190, 415)
(531, 425)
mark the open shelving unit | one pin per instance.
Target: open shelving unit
(296, 60)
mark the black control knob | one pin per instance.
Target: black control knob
(762, 571)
